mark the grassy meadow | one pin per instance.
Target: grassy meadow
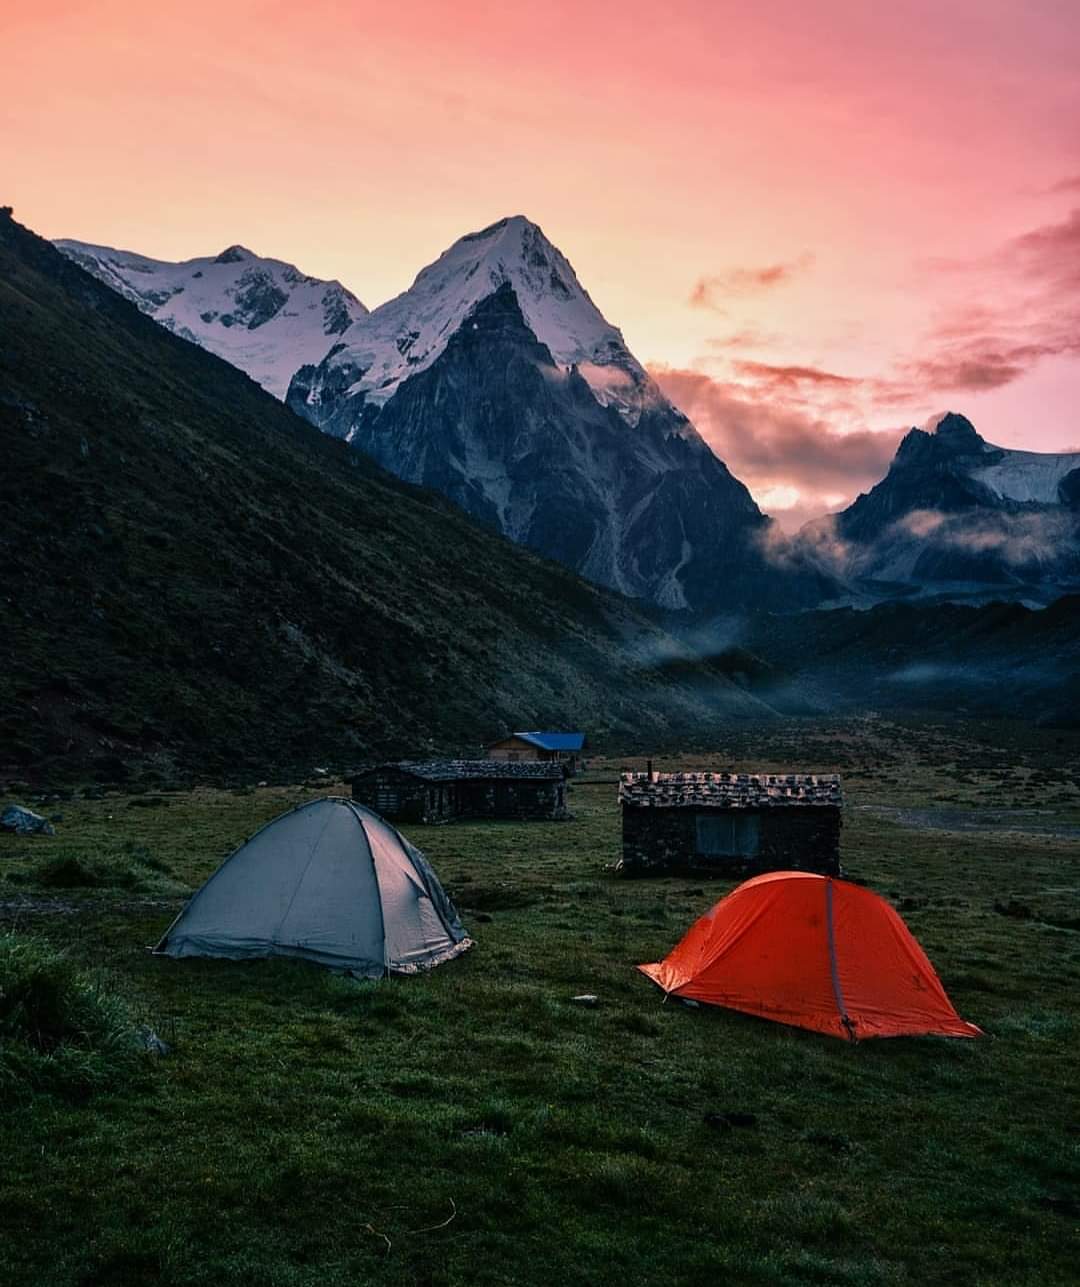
(473, 1125)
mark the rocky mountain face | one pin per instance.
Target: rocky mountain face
(496, 380)
(262, 315)
(522, 443)
(957, 515)
(197, 582)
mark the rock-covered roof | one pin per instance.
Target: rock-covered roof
(461, 770)
(729, 790)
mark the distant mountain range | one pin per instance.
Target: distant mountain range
(195, 580)
(958, 517)
(495, 380)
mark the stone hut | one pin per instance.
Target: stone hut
(737, 824)
(448, 790)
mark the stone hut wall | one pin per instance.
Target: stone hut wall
(400, 797)
(523, 800)
(791, 838)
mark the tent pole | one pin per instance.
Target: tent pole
(834, 971)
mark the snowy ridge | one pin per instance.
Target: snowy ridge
(1026, 475)
(262, 315)
(406, 334)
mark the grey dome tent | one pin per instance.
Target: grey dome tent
(329, 882)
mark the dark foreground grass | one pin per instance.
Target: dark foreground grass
(475, 1126)
(61, 1030)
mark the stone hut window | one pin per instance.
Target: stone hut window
(386, 798)
(728, 835)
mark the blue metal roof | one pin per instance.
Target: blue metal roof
(554, 741)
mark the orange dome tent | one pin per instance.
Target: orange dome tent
(813, 952)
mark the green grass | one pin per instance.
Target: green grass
(61, 1030)
(474, 1126)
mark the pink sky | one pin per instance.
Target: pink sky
(819, 223)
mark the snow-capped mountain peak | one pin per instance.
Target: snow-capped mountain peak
(958, 514)
(262, 315)
(406, 334)
(1007, 473)
(495, 379)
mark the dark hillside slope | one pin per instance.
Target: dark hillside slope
(193, 578)
(984, 660)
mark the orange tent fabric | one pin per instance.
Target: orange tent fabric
(813, 952)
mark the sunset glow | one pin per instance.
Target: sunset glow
(818, 224)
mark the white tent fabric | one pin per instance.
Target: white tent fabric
(329, 882)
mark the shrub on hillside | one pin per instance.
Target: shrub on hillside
(60, 1029)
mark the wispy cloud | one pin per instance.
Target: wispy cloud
(1022, 304)
(712, 290)
(1017, 305)
(774, 378)
(747, 338)
(970, 367)
(771, 444)
(1024, 539)
(780, 423)
(818, 547)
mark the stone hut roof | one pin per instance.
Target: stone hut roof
(729, 790)
(472, 770)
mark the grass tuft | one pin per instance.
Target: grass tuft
(133, 868)
(60, 1029)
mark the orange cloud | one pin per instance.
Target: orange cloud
(791, 377)
(709, 291)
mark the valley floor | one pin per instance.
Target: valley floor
(474, 1126)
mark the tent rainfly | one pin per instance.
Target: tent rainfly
(328, 882)
(814, 952)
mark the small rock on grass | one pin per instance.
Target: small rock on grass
(24, 822)
(729, 1120)
(152, 1043)
(834, 1143)
(586, 999)
(1061, 1206)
